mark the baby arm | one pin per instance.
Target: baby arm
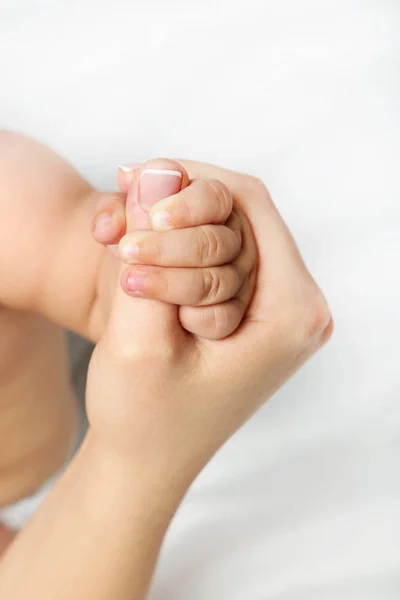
(48, 262)
(44, 204)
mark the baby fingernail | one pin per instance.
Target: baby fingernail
(160, 220)
(129, 251)
(135, 283)
(103, 223)
(157, 184)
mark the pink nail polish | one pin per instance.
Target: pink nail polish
(135, 284)
(157, 184)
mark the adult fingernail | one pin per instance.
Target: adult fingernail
(157, 184)
(128, 168)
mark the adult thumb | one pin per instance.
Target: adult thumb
(140, 324)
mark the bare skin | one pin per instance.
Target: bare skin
(38, 192)
(54, 275)
(150, 436)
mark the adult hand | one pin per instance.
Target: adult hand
(170, 398)
(200, 253)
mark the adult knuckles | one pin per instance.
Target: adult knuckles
(305, 324)
(317, 315)
(224, 319)
(212, 284)
(321, 326)
(220, 197)
(220, 284)
(209, 245)
(215, 322)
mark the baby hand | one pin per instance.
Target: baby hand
(198, 251)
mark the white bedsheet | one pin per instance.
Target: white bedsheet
(304, 502)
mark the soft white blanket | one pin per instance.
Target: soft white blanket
(304, 502)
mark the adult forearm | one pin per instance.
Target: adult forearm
(96, 536)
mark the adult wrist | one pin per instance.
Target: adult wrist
(125, 483)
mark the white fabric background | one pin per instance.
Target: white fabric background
(304, 502)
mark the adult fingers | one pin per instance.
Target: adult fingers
(203, 246)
